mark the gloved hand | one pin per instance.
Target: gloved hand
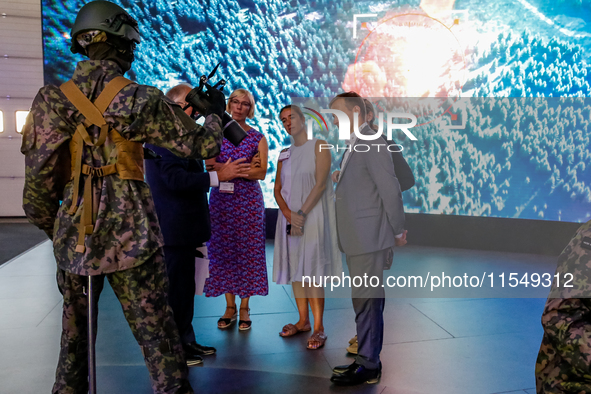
(217, 101)
(213, 101)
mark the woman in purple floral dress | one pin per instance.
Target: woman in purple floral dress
(237, 246)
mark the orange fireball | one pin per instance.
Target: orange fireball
(409, 54)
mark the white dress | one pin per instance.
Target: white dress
(316, 253)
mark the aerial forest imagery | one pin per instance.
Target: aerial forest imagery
(516, 72)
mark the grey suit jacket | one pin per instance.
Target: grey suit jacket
(369, 205)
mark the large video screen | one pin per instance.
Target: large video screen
(516, 160)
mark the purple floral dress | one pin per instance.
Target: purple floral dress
(237, 246)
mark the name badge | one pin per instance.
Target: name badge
(226, 187)
(284, 155)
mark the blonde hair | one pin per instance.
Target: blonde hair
(239, 93)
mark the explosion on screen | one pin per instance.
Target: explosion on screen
(408, 54)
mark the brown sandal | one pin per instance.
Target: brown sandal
(225, 322)
(292, 329)
(317, 337)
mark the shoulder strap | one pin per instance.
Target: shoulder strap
(93, 112)
(82, 103)
(110, 92)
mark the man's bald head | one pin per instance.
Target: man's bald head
(179, 92)
(178, 95)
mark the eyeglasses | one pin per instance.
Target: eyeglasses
(238, 102)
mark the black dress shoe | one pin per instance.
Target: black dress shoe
(344, 368)
(195, 349)
(193, 360)
(341, 368)
(357, 374)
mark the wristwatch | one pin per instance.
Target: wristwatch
(301, 213)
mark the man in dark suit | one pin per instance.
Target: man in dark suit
(370, 222)
(179, 188)
(405, 177)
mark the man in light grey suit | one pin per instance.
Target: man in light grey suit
(370, 222)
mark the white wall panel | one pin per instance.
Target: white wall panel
(21, 76)
(11, 197)
(17, 27)
(13, 162)
(21, 8)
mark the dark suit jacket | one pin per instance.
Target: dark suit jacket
(179, 187)
(369, 208)
(406, 179)
(403, 171)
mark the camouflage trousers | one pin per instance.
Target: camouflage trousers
(564, 360)
(142, 294)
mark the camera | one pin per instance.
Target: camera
(200, 101)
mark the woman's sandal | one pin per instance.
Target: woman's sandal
(317, 337)
(225, 322)
(247, 322)
(291, 329)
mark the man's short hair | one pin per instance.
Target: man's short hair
(293, 108)
(179, 92)
(369, 109)
(352, 100)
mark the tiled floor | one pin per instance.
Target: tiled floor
(431, 345)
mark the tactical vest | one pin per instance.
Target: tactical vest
(130, 155)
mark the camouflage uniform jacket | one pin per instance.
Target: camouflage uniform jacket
(126, 231)
(564, 360)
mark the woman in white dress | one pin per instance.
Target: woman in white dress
(306, 244)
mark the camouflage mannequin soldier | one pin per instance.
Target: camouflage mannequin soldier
(82, 144)
(564, 360)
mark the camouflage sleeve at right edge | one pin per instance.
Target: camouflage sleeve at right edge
(163, 123)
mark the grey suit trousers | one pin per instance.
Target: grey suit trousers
(368, 303)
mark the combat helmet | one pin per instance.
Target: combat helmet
(107, 17)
